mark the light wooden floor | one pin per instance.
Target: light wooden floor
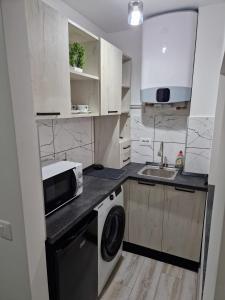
(141, 278)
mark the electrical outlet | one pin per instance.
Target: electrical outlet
(5, 230)
(145, 141)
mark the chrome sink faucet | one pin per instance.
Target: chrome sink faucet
(161, 154)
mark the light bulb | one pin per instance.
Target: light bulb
(164, 49)
(135, 12)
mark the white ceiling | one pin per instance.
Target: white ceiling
(111, 15)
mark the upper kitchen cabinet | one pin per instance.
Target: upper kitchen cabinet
(48, 42)
(84, 82)
(111, 78)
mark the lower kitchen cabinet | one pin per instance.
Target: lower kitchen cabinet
(183, 222)
(164, 218)
(126, 192)
(146, 214)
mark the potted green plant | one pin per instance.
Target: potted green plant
(77, 53)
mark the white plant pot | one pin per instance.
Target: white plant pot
(78, 69)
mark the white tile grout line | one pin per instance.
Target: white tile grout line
(53, 139)
(83, 145)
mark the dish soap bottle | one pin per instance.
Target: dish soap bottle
(180, 160)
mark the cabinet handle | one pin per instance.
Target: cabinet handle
(146, 183)
(184, 190)
(126, 159)
(124, 148)
(112, 111)
(48, 114)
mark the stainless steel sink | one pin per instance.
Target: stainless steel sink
(152, 171)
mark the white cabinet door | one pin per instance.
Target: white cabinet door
(146, 203)
(111, 79)
(49, 46)
(183, 222)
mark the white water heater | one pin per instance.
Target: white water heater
(168, 50)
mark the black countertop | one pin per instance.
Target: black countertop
(97, 189)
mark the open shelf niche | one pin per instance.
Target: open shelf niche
(85, 85)
(126, 84)
(125, 127)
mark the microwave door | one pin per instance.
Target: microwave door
(59, 190)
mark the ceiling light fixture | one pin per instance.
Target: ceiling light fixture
(135, 12)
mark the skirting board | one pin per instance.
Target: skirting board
(160, 256)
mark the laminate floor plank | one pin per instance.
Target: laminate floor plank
(189, 286)
(129, 270)
(147, 281)
(141, 278)
(116, 291)
(173, 271)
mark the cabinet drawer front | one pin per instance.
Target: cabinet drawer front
(124, 145)
(125, 162)
(125, 152)
(125, 156)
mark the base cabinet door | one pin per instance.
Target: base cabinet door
(146, 214)
(183, 222)
(126, 192)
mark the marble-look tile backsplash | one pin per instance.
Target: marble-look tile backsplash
(192, 135)
(199, 144)
(67, 138)
(170, 129)
(74, 139)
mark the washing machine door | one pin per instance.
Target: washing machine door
(113, 232)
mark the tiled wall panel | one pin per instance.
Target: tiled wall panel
(67, 138)
(74, 139)
(199, 144)
(194, 139)
(153, 129)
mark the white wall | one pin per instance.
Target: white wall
(208, 59)
(212, 53)
(219, 293)
(27, 268)
(220, 284)
(130, 42)
(216, 177)
(217, 131)
(13, 255)
(76, 17)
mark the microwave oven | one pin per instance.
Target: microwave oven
(62, 183)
